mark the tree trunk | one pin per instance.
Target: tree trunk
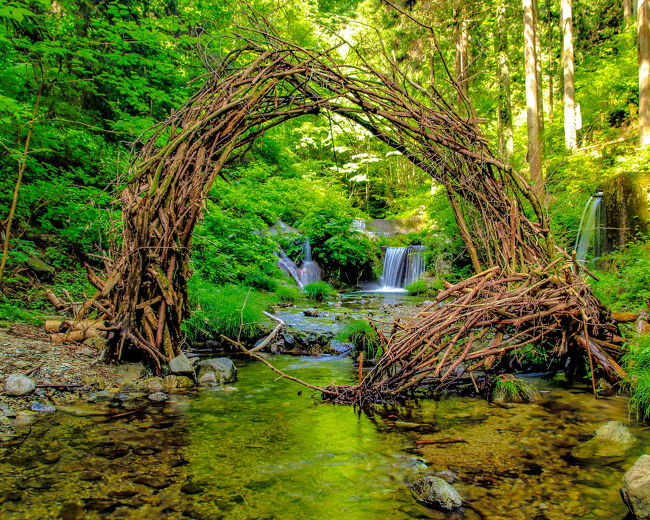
(644, 72)
(504, 115)
(538, 66)
(627, 12)
(569, 92)
(550, 62)
(462, 43)
(534, 157)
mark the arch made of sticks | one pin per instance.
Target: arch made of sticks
(266, 81)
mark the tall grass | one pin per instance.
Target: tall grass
(318, 290)
(637, 364)
(364, 338)
(230, 310)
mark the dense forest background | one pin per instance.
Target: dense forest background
(82, 84)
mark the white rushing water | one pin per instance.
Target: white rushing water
(308, 272)
(589, 229)
(402, 266)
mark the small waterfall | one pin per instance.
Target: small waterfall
(288, 266)
(402, 266)
(589, 228)
(309, 271)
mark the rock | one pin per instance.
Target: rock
(448, 476)
(19, 384)
(158, 397)
(90, 475)
(341, 347)
(42, 408)
(312, 313)
(130, 371)
(208, 379)
(435, 492)
(636, 488)
(100, 397)
(155, 384)
(224, 369)
(289, 339)
(5, 411)
(71, 511)
(180, 365)
(128, 386)
(41, 269)
(614, 431)
(21, 364)
(191, 488)
(612, 439)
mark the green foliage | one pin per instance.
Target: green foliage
(626, 283)
(364, 338)
(637, 364)
(12, 311)
(417, 287)
(508, 389)
(289, 293)
(232, 311)
(318, 290)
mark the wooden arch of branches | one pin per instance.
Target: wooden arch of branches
(526, 291)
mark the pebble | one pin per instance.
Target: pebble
(42, 408)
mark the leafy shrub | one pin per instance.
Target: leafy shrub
(364, 338)
(230, 310)
(288, 293)
(318, 290)
(637, 365)
(417, 287)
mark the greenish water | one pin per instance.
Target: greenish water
(270, 451)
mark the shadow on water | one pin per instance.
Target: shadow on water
(269, 451)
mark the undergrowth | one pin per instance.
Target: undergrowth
(318, 290)
(230, 310)
(637, 364)
(364, 338)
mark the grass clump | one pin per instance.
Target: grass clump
(509, 389)
(288, 293)
(217, 310)
(417, 287)
(318, 290)
(364, 338)
(637, 364)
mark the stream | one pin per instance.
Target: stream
(269, 450)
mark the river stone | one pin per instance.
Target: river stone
(130, 371)
(208, 379)
(100, 397)
(636, 488)
(155, 384)
(180, 365)
(611, 439)
(19, 384)
(181, 382)
(42, 408)
(6, 411)
(614, 431)
(224, 369)
(71, 511)
(435, 492)
(340, 346)
(158, 397)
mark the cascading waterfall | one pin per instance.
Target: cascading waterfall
(402, 266)
(589, 228)
(309, 271)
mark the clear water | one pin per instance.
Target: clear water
(270, 451)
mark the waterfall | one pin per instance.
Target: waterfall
(589, 227)
(309, 271)
(402, 266)
(288, 266)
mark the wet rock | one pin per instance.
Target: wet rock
(612, 439)
(122, 493)
(448, 476)
(180, 365)
(155, 384)
(435, 492)
(289, 340)
(42, 408)
(208, 379)
(71, 511)
(341, 347)
(158, 397)
(312, 313)
(19, 384)
(127, 386)
(181, 382)
(152, 481)
(224, 369)
(100, 397)
(130, 371)
(6, 411)
(90, 476)
(191, 488)
(636, 488)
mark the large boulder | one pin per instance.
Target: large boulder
(181, 366)
(435, 492)
(636, 488)
(19, 384)
(224, 369)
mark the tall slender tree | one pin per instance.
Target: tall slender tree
(532, 117)
(569, 90)
(550, 61)
(538, 65)
(643, 42)
(462, 46)
(627, 12)
(504, 114)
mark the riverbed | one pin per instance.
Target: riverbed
(270, 450)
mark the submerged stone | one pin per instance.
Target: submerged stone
(636, 488)
(611, 439)
(435, 492)
(100, 397)
(19, 384)
(42, 408)
(158, 397)
(224, 369)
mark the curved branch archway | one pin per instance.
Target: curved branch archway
(261, 85)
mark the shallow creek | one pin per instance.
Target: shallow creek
(271, 451)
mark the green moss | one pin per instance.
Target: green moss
(509, 389)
